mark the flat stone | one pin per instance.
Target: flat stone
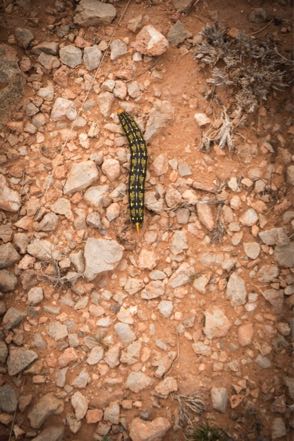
(216, 323)
(151, 42)
(165, 308)
(263, 362)
(23, 37)
(62, 206)
(19, 359)
(112, 356)
(141, 430)
(167, 386)
(57, 330)
(80, 404)
(173, 198)
(95, 355)
(201, 119)
(93, 13)
(290, 174)
(68, 356)
(42, 249)
(12, 318)
(101, 255)
(147, 259)
(96, 195)
(179, 242)
(81, 380)
(63, 108)
(201, 282)
(252, 249)
(3, 352)
(52, 433)
(105, 101)
(10, 200)
(249, 218)
(205, 216)
(201, 349)
(133, 285)
(49, 62)
(274, 236)
(8, 255)
(8, 399)
(132, 353)
(92, 57)
(236, 290)
(219, 398)
(178, 34)
(159, 116)
(138, 381)
(245, 334)
(111, 168)
(93, 416)
(182, 275)
(285, 255)
(81, 176)
(153, 290)
(47, 405)
(8, 281)
(118, 48)
(124, 333)
(49, 47)
(112, 413)
(275, 297)
(267, 273)
(70, 55)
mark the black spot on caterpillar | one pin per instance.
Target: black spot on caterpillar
(138, 167)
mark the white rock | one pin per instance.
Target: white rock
(92, 57)
(165, 308)
(118, 48)
(151, 42)
(216, 323)
(205, 216)
(252, 249)
(63, 108)
(182, 275)
(101, 255)
(94, 12)
(249, 218)
(236, 290)
(111, 168)
(80, 404)
(62, 206)
(201, 119)
(154, 430)
(179, 242)
(35, 295)
(124, 333)
(105, 101)
(81, 176)
(137, 381)
(9, 199)
(159, 116)
(219, 398)
(70, 55)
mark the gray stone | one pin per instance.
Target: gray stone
(3, 352)
(19, 359)
(216, 323)
(70, 55)
(49, 47)
(153, 290)
(118, 48)
(267, 273)
(8, 281)
(82, 379)
(147, 259)
(290, 174)
(95, 196)
(62, 206)
(201, 282)
(8, 255)
(80, 404)
(159, 116)
(252, 249)
(201, 349)
(57, 330)
(112, 413)
(236, 290)
(48, 223)
(183, 5)
(134, 90)
(105, 101)
(101, 255)
(205, 216)
(8, 399)
(124, 333)
(49, 62)
(132, 353)
(181, 276)
(153, 202)
(11, 89)
(279, 429)
(92, 57)
(111, 168)
(112, 356)
(133, 285)
(135, 23)
(42, 249)
(155, 430)
(165, 308)
(285, 255)
(12, 318)
(201, 119)
(138, 381)
(35, 295)
(178, 34)
(275, 298)
(81, 176)
(166, 386)
(149, 41)
(274, 236)
(47, 405)
(95, 355)
(179, 242)
(93, 12)
(23, 37)
(93, 220)
(63, 108)
(9, 199)
(60, 377)
(52, 433)
(47, 93)
(249, 218)
(289, 382)
(219, 398)
(263, 362)
(160, 167)
(77, 259)
(258, 15)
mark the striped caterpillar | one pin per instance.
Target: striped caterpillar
(138, 166)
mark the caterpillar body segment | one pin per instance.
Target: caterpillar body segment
(138, 166)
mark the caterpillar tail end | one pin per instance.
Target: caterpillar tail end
(119, 110)
(138, 227)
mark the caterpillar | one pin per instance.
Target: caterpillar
(138, 167)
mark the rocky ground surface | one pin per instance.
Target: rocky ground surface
(104, 330)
